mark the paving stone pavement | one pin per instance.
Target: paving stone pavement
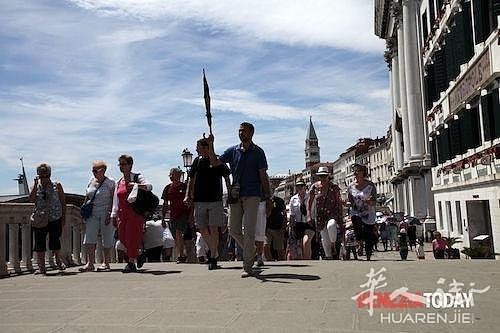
(298, 296)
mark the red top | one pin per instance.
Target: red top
(438, 244)
(175, 196)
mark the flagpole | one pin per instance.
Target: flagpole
(206, 97)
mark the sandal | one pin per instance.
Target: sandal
(103, 267)
(86, 268)
(61, 266)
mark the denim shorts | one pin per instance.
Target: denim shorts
(96, 225)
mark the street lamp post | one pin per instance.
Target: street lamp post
(187, 160)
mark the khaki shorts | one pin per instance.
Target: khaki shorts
(209, 214)
(276, 238)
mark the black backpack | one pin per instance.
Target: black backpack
(146, 201)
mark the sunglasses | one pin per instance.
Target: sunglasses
(122, 164)
(97, 170)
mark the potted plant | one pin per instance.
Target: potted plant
(450, 251)
(479, 252)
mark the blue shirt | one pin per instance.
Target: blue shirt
(245, 166)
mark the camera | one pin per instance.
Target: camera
(233, 194)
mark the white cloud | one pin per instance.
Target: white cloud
(127, 36)
(333, 23)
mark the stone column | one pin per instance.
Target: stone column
(402, 89)
(412, 71)
(3, 265)
(66, 241)
(396, 103)
(26, 246)
(77, 245)
(14, 247)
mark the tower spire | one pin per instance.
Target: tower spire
(312, 148)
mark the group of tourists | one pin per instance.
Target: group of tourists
(320, 223)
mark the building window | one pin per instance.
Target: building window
(459, 218)
(449, 217)
(425, 28)
(434, 151)
(440, 213)
(470, 128)
(457, 50)
(490, 109)
(432, 12)
(485, 18)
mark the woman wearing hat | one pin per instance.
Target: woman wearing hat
(361, 196)
(325, 206)
(301, 232)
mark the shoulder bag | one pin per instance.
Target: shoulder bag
(87, 207)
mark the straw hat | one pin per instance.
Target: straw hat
(300, 182)
(323, 171)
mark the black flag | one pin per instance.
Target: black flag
(206, 96)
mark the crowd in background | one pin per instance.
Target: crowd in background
(194, 225)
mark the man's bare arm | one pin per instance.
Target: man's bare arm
(214, 160)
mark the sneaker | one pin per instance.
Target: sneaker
(141, 259)
(61, 266)
(248, 273)
(212, 264)
(40, 271)
(86, 268)
(130, 268)
(181, 260)
(103, 267)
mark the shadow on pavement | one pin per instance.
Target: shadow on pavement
(286, 265)
(288, 276)
(157, 272)
(233, 267)
(57, 273)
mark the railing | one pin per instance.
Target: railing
(18, 258)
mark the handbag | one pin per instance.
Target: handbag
(39, 218)
(145, 202)
(87, 207)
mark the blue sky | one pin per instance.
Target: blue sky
(86, 79)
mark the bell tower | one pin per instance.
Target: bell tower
(312, 148)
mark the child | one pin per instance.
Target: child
(438, 245)
(350, 242)
(384, 234)
(403, 244)
(419, 249)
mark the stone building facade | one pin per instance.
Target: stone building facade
(453, 46)
(398, 23)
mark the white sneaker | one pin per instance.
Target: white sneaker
(246, 274)
(260, 262)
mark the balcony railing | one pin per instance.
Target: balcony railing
(15, 230)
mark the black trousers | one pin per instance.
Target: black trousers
(154, 254)
(369, 237)
(54, 229)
